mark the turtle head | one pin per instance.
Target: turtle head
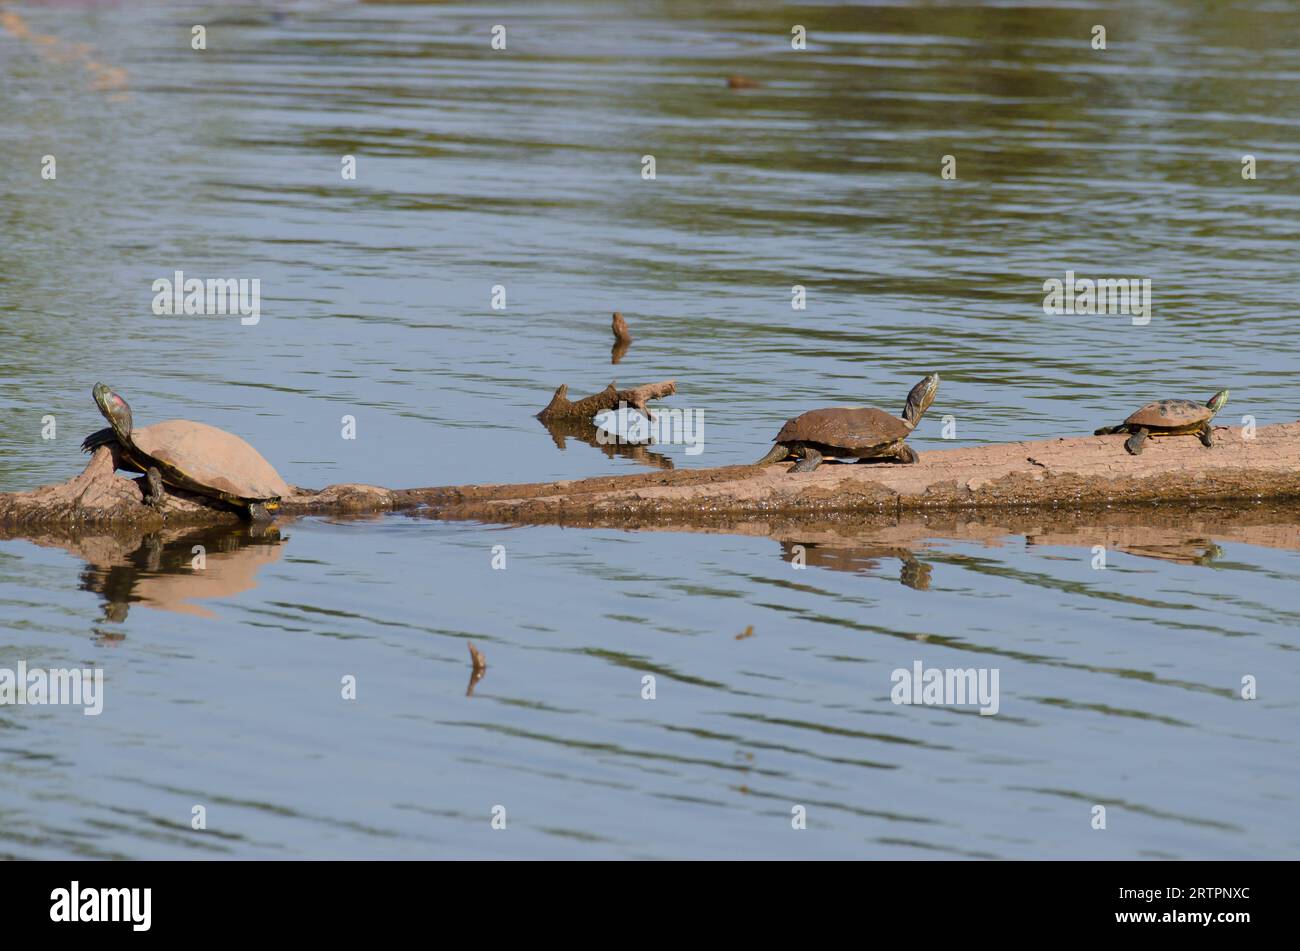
(115, 410)
(1215, 402)
(919, 400)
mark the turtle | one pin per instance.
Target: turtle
(187, 455)
(1169, 418)
(860, 432)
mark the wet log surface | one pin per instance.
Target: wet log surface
(1073, 472)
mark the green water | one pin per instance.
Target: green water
(522, 168)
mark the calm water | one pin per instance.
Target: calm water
(522, 168)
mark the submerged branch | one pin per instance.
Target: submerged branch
(561, 408)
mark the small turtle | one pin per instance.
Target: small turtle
(191, 456)
(1169, 418)
(852, 433)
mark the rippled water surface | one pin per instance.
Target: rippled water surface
(522, 168)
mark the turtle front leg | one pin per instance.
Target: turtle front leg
(153, 479)
(102, 437)
(775, 454)
(259, 512)
(810, 461)
(907, 455)
(1207, 436)
(1134, 443)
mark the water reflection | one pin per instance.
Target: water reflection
(855, 542)
(849, 555)
(586, 431)
(169, 570)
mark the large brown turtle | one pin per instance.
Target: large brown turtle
(852, 432)
(191, 456)
(1168, 418)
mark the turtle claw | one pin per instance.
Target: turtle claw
(810, 461)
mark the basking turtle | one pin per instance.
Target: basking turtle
(1169, 418)
(191, 456)
(852, 433)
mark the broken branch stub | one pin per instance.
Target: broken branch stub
(619, 326)
(562, 408)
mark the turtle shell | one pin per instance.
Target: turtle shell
(854, 430)
(213, 460)
(1170, 414)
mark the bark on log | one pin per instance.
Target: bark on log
(561, 408)
(1064, 473)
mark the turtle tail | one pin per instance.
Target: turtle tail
(775, 454)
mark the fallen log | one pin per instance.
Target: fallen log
(561, 408)
(1068, 472)
(1065, 473)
